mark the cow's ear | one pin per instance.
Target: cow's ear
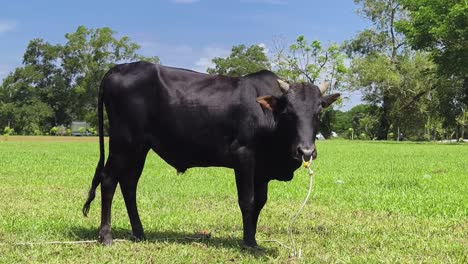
(329, 99)
(268, 102)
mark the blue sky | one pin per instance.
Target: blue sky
(183, 33)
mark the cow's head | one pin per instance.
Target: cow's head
(297, 115)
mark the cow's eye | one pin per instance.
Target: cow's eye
(284, 111)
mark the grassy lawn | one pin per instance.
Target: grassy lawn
(371, 202)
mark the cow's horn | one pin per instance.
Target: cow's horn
(284, 86)
(324, 86)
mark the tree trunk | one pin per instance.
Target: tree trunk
(384, 122)
(465, 91)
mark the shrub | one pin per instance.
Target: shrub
(92, 131)
(7, 131)
(54, 131)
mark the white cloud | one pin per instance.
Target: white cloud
(6, 26)
(202, 64)
(180, 54)
(208, 53)
(185, 1)
(154, 48)
(265, 48)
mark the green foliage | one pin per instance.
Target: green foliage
(92, 131)
(342, 122)
(350, 133)
(402, 83)
(59, 83)
(441, 27)
(27, 116)
(241, 61)
(360, 120)
(375, 54)
(368, 124)
(307, 61)
(54, 131)
(7, 131)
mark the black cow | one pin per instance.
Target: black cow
(257, 124)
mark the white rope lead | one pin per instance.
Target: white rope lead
(58, 242)
(295, 252)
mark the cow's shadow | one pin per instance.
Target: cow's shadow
(85, 233)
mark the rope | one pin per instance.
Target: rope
(201, 237)
(297, 252)
(58, 242)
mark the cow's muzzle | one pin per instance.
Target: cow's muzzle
(306, 153)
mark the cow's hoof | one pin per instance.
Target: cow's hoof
(106, 242)
(249, 244)
(138, 237)
(253, 249)
(105, 238)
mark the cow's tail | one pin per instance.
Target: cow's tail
(100, 166)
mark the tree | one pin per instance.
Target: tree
(462, 120)
(308, 62)
(59, 83)
(241, 61)
(87, 55)
(375, 51)
(20, 105)
(441, 28)
(393, 77)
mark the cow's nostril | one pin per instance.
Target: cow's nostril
(307, 152)
(299, 151)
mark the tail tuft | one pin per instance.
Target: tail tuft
(86, 206)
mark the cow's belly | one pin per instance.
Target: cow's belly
(187, 151)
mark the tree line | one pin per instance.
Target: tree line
(410, 64)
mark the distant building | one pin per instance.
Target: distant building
(80, 128)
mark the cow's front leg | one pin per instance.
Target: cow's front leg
(260, 198)
(246, 195)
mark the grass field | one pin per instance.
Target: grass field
(371, 202)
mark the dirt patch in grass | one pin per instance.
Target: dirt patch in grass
(49, 139)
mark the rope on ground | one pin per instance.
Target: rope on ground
(58, 242)
(92, 241)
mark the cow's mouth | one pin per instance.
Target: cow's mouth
(306, 160)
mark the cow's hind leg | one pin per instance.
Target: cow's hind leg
(128, 185)
(108, 185)
(124, 166)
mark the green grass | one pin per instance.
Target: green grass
(371, 202)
